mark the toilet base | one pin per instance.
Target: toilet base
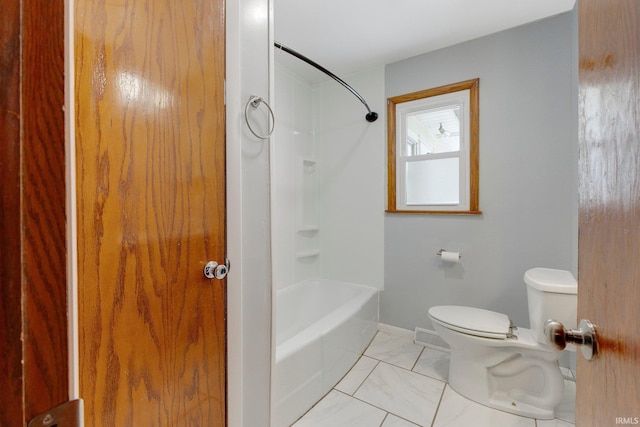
(523, 385)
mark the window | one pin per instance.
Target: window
(433, 150)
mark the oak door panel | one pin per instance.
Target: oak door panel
(149, 88)
(609, 244)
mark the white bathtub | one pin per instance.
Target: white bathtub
(322, 328)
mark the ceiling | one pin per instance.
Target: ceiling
(346, 36)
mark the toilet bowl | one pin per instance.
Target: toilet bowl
(504, 367)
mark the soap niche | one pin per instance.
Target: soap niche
(307, 227)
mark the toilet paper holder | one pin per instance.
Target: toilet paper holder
(439, 253)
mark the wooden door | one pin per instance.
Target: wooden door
(608, 392)
(33, 279)
(150, 147)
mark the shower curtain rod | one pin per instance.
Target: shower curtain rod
(371, 115)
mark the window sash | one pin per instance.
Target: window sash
(463, 190)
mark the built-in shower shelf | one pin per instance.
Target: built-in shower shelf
(307, 196)
(309, 229)
(307, 254)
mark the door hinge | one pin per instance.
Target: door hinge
(68, 414)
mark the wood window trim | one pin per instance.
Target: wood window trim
(474, 151)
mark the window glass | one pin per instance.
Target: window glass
(433, 182)
(433, 131)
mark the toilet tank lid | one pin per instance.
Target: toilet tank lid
(551, 280)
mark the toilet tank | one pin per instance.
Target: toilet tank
(551, 294)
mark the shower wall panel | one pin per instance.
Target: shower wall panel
(352, 155)
(295, 191)
(328, 189)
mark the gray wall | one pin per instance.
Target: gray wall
(528, 177)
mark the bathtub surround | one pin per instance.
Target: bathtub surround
(328, 170)
(528, 177)
(328, 216)
(353, 160)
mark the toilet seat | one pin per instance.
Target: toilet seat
(472, 321)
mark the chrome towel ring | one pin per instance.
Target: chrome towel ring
(254, 102)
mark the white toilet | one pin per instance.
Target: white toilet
(504, 367)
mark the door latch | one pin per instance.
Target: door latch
(213, 270)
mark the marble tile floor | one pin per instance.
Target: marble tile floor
(397, 383)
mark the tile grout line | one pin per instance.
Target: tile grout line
(384, 419)
(407, 369)
(435, 414)
(417, 359)
(365, 378)
(377, 407)
(378, 362)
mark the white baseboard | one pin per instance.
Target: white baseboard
(394, 330)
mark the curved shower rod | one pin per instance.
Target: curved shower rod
(371, 115)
